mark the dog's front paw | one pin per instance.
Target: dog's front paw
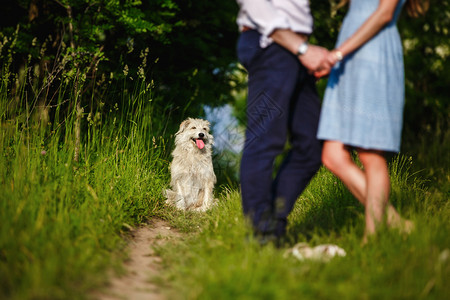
(170, 196)
(200, 208)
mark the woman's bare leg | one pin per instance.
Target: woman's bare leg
(377, 188)
(338, 160)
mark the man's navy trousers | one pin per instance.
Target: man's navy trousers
(282, 106)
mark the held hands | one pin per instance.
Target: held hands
(319, 60)
(330, 60)
(316, 59)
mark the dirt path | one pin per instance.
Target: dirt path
(142, 266)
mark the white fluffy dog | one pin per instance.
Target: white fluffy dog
(192, 173)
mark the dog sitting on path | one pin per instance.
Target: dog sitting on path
(192, 173)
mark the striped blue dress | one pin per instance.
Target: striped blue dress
(364, 97)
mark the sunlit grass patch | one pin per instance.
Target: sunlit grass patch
(222, 261)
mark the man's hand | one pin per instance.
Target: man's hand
(315, 59)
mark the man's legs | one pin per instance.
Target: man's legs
(274, 77)
(304, 158)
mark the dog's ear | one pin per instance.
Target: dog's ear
(184, 125)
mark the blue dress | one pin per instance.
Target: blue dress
(364, 97)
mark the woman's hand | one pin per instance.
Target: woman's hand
(330, 60)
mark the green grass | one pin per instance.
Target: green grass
(65, 223)
(221, 262)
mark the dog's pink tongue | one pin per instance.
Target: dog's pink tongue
(200, 143)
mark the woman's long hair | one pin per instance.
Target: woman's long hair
(415, 8)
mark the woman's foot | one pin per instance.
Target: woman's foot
(406, 226)
(403, 226)
(395, 221)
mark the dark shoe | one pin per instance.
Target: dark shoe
(266, 239)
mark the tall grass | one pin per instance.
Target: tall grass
(63, 222)
(220, 261)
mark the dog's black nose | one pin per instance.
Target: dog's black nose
(201, 134)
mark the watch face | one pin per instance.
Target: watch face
(302, 48)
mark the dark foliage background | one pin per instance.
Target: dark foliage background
(183, 51)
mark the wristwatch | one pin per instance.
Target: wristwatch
(302, 48)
